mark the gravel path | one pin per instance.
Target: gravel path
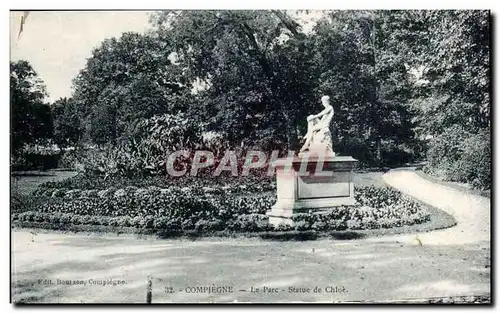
(451, 262)
(471, 211)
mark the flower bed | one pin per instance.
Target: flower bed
(84, 181)
(217, 208)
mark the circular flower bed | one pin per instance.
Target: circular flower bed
(210, 209)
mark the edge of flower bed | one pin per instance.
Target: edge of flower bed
(439, 220)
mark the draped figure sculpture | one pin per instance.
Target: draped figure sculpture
(318, 136)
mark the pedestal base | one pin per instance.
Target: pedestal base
(311, 184)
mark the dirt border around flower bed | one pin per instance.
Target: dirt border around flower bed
(439, 220)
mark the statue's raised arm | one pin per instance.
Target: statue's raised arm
(327, 110)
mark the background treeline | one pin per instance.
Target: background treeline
(405, 86)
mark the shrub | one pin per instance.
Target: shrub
(61, 192)
(124, 221)
(160, 222)
(143, 152)
(208, 225)
(174, 225)
(137, 222)
(26, 216)
(55, 218)
(95, 220)
(86, 220)
(65, 218)
(73, 194)
(70, 159)
(457, 155)
(105, 221)
(148, 221)
(20, 202)
(76, 220)
(35, 161)
(283, 227)
(354, 224)
(114, 221)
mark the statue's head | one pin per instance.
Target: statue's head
(325, 101)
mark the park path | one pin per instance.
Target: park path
(450, 262)
(471, 211)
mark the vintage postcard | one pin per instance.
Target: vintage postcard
(250, 156)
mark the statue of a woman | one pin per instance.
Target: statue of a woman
(318, 136)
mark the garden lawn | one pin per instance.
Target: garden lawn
(369, 178)
(27, 182)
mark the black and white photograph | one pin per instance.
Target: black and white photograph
(250, 156)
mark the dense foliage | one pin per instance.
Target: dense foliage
(30, 160)
(461, 156)
(68, 129)
(30, 117)
(395, 78)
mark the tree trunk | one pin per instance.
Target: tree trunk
(379, 151)
(288, 130)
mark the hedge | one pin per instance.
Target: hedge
(35, 161)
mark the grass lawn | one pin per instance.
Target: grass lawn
(365, 178)
(26, 182)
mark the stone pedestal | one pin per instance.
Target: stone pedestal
(311, 183)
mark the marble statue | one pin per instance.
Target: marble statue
(318, 136)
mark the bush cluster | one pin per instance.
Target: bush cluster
(29, 161)
(458, 155)
(20, 202)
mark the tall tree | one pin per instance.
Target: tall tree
(364, 56)
(67, 124)
(257, 65)
(456, 72)
(30, 116)
(125, 80)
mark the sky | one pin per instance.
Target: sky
(57, 43)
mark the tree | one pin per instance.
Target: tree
(257, 66)
(364, 56)
(394, 77)
(30, 116)
(127, 79)
(456, 72)
(67, 125)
